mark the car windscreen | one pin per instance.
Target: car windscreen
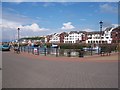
(5, 45)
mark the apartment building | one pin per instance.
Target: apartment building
(74, 37)
(115, 34)
(100, 37)
(109, 35)
(62, 36)
(54, 38)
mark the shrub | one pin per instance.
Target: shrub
(72, 46)
(48, 45)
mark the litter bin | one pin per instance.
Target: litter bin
(35, 51)
(69, 54)
(81, 53)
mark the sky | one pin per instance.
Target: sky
(44, 18)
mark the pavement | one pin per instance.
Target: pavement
(32, 71)
(0, 70)
(96, 58)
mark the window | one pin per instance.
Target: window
(114, 41)
(102, 41)
(106, 34)
(89, 37)
(99, 41)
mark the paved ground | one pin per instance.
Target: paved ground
(29, 71)
(0, 70)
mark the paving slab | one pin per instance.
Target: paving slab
(32, 71)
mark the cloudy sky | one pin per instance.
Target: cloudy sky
(43, 18)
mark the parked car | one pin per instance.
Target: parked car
(5, 47)
(0, 47)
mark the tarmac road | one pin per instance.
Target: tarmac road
(29, 71)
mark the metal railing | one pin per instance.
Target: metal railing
(57, 52)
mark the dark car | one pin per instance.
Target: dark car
(5, 47)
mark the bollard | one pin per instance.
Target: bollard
(56, 52)
(45, 51)
(21, 48)
(32, 50)
(38, 51)
(28, 49)
(81, 53)
(91, 52)
(24, 48)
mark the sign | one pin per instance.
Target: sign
(54, 46)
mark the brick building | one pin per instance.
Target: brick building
(115, 34)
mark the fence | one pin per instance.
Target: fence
(57, 51)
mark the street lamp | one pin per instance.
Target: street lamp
(18, 36)
(101, 23)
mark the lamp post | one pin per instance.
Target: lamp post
(101, 23)
(18, 36)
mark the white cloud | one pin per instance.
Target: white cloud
(109, 24)
(14, 25)
(14, 17)
(9, 24)
(33, 27)
(88, 30)
(67, 26)
(107, 8)
(9, 30)
(115, 25)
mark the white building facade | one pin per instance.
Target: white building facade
(97, 38)
(73, 37)
(54, 38)
(87, 37)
